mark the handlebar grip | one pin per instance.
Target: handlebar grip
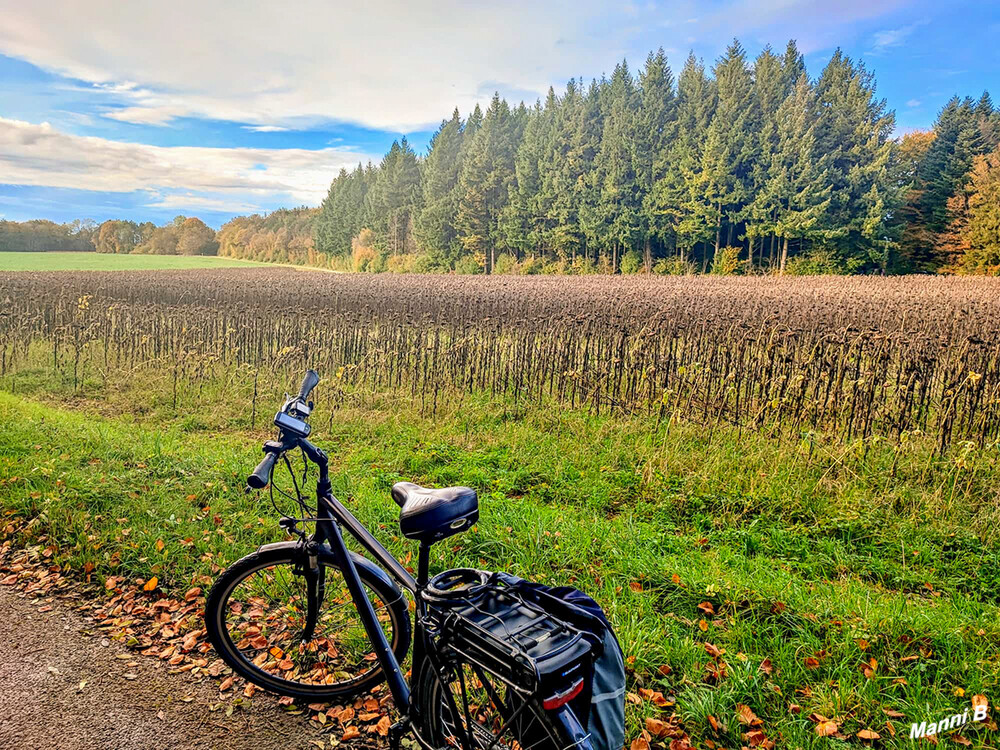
(308, 383)
(262, 474)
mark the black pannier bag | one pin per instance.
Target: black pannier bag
(601, 705)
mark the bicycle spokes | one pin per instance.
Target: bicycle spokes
(302, 627)
(480, 712)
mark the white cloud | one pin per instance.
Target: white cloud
(889, 38)
(913, 103)
(146, 115)
(386, 64)
(38, 154)
(192, 202)
(266, 128)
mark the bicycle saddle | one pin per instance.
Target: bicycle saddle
(429, 515)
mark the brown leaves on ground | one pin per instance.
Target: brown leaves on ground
(868, 734)
(659, 731)
(746, 716)
(824, 726)
(137, 614)
(655, 697)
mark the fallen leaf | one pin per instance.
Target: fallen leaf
(862, 643)
(868, 734)
(226, 684)
(657, 727)
(767, 667)
(159, 545)
(746, 715)
(707, 608)
(893, 714)
(826, 728)
(812, 662)
(350, 733)
(639, 743)
(635, 586)
(664, 670)
(150, 585)
(383, 726)
(714, 722)
(714, 651)
(703, 625)
(979, 700)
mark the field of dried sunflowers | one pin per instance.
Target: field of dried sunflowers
(848, 356)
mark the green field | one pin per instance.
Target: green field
(62, 261)
(801, 561)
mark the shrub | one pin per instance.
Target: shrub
(468, 264)
(505, 263)
(631, 262)
(816, 262)
(363, 251)
(674, 267)
(727, 262)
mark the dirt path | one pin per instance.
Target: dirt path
(60, 689)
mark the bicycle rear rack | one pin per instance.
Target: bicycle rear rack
(497, 629)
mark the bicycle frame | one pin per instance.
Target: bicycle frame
(333, 515)
(327, 543)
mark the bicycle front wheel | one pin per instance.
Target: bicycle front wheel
(298, 634)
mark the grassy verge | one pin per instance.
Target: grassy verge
(845, 580)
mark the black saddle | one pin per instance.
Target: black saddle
(430, 515)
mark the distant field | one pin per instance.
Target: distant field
(104, 262)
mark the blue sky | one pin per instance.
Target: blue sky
(147, 110)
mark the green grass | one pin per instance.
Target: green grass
(70, 261)
(803, 549)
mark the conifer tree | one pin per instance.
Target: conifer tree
(656, 119)
(798, 183)
(616, 178)
(435, 226)
(855, 136)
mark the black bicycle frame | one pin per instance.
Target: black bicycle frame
(331, 516)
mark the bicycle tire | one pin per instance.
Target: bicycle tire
(222, 640)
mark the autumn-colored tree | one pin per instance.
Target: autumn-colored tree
(981, 231)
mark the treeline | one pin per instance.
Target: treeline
(182, 236)
(41, 235)
(749, 167)
(951, 215)
(283, 236)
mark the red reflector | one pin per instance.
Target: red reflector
(561, 699)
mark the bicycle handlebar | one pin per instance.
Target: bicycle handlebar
(308, 383)
(291, 422)
(262, 474)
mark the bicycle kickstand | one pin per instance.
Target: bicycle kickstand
(397, 731)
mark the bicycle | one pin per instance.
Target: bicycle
(311, 619)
